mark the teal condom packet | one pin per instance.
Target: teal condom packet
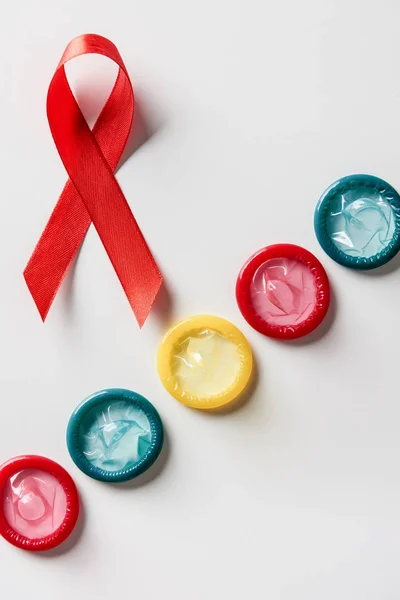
(115, 435)
(357, 221)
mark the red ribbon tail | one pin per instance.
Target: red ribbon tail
(142, 308)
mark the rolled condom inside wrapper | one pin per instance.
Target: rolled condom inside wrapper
(283, 291)
(205, 362)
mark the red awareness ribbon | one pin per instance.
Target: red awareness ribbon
(92, 193)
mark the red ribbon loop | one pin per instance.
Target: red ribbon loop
(92, 193)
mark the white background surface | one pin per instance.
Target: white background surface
(248, 111)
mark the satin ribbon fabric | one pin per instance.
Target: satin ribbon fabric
(92, 193)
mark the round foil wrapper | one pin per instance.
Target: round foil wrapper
(115, 435)
(39, 503)
(283, 291)
(205, 362)
(357, 221)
